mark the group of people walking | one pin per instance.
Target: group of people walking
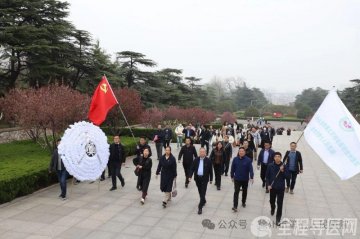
(278, 174)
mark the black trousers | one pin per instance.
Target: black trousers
(115, 172)
(201, 184)
(159, 150)
(218, 172)
(237, 186)
(263, 172)
(278, 195)
(203, 144)
(166, 143)
(292, 178)
(226, 165)
(187, 168)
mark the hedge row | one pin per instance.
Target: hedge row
(24, 185)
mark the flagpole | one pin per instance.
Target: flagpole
(300, 136)
(122, 112)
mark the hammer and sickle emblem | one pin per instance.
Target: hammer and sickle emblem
(104, 88)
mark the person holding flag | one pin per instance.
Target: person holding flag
(276, 175)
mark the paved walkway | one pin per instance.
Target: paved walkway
(89, 213)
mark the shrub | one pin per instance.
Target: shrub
(228, 117)
(39, 111)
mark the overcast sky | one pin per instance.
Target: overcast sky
(279, 45)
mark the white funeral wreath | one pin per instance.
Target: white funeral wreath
(84, 151)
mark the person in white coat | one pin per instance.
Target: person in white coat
(179, 135)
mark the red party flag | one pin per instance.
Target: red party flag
(102, 101)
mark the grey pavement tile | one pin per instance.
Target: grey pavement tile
(38, 237)
(14, 235)
(136, 230)
(148, 221)
(75, 232)
(100, 235)
(10, 212)
(186, 235)
(169, 223)
(89, 224)
(159, 232)
(125, 217)
(51, 230)
(67, 221)
(28, 226)
(113, 226)
(82, 212)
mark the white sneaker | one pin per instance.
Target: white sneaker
(142, 201)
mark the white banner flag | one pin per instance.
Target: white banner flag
(334, 135)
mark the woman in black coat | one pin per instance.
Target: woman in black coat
(144, 173)
(167, 167)
(218, 158)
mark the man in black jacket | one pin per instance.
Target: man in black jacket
(159, 141)
(57, 165)
(167, 136)
(276, 174)
(116, 159)
(189, 153)
(272, 132)
(189, 133)
(265, 136)
(205, 137)
(141, 146)
(228, 154)
(293, 162)
(202, 170)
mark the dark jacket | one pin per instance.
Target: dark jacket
(212, 156)
(261, 156)
(160, 134)
(189, 154)
(146, 164)
(205, 135)
(167, 167)
(119, 159)
(249, 153)
(242, 169)
(272, 133)
(191, 132)
(298, 161)
(140, 149)
(54, 161)
(265, 136)
(279, 181)
(228, 150)
(167, 134)
(208, 169)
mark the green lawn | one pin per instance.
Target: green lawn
(21, 157)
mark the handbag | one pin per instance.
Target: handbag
(174, 191)
(137, 171)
